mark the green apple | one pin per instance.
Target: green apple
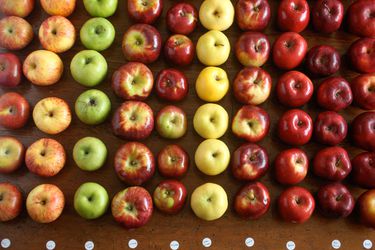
(89, 153)
(88, 68)
(171, 122)
(91, 200)
(93, 107)
(100, 8)
(97, 33)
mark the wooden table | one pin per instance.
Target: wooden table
(71, 231)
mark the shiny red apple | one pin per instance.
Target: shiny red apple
(179, 50)
(253, 14)
(363, 131)
(182, 18)
(334, 94)
(171, 85)
(293, 15)
(170, 196)
(327, 15)
(363, 173)
(10, 202)
(363, 87)
(10, 70)
(330, 128)
(335, 200)
(252, 49)
(146, 11)
(14, 110)
(362, 55)
(323, 60)
(361, 19)
(173, 161)
(291, 166)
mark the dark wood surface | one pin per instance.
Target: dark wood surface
(71, 231)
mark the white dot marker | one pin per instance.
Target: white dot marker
(336, 244)
(174, 245)
(206, 242)
(290, 245)
(132, 243)
(249, 242)
(50, 245)
(5, 243)
(367, 244)
(89, 245)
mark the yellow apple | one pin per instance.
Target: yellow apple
(212, 157)
(213, 48)
(211, 121)
(209, 201)
(212, 84)
(216, 14)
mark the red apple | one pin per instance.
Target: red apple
(14, 110)
(293, 15)
(295, 127)
(133, 120)
(146, 11)
(21, 8)
(327, 15)
(15, 33)
(363, 173)
(134, 163)
(253, 14)
(361, 19)
(182, 18)
(366, 208)
(252, 201)
(171, 85)
(294, 89)
(170, 196)
(10, 201)
(11, 154)
(330, 128)
(173, 161)
(249, 162)
(58, 7)
(289, 49)
(291, 166)
(334, 94)
(10, 70)
(323, 60)
(296, 204)
(362, 55)
(179, 50)
(363, 88)
(335, 200)
(252, 49)
(363, 131)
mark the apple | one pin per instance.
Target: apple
(362, 55)
(97, 34)
(360, 19)
(334, 94)
(58, 7)
(89, 153)
(173, 161)
(323, 60)
(335, 200)
(363, 132)
(293, 15)
(91, 200)
(212, 157)
(363, 87)
(133, 81)
(289, 49)
(252, 49)
(252, 85)
(209, 201)
(330, 128)
(213, 48)
(171, 122)
(294, 89)
(296, 204)
(216, 14)
(92, 107)
(45, 157)
(212, 84)
(327, 15)
(14, 110)
(133, 120)
(10, 201)
(145, 11)
(134, 163)
(211, 121)
(252, 201)
(52, 115)
(171, 85)
(295, 127)
(11, 154)
(132, 207)
(363, 173)
(179, 50)
(332, 163)
(10, 70)
(57, 34)
(141, 43)
(251, 123)
(291, 166)
(253, 14)
(366, 209)
(89, 68)
(101, 8)
(249, 162)
(20, 8)
(182, 18)
(45, 203)
(169, 196)
(43, 67)
(15, 33)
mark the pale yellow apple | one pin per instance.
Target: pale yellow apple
(212, 84)
(216, 14)
(211, 121)
(209, 201)
(212, 157)
(213, 48)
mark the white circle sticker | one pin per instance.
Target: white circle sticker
(367, 244)
(132, 243)
(290, 245)
(50, 245)
(336, 244)
(89, 245)
(174, 245)
(5, 243)
(206, 242)
(249, 242)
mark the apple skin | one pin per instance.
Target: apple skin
(216, 14)
(295, 127)
(20, 36)
(145, 11)
(335, 200)
(134, 163)
(10, 70)
(359, 20)
(14, 110)
(97, 33)
(132, 207)
(253, 15)
(12, 153)
(173, 161)
(11, 201)
(141, 43)
(366, 210)
(294, 89)
(252, 49)
(330, 128)
(323, 60)
(171, 85)
(213, 48)
(182, 18)
(289, 50)
(179, 50)
(334, 94)
(293, 15)
(20, 8)
(90, 153)
(170, 196)
(327, 15)
(101, 8)
(291, 166)
(296, 204)
(171, 122)
(249, 162)
(363, 173)
(363, 132)
(133, 120)
(58, 7)
(363, 87)
(362, 55)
